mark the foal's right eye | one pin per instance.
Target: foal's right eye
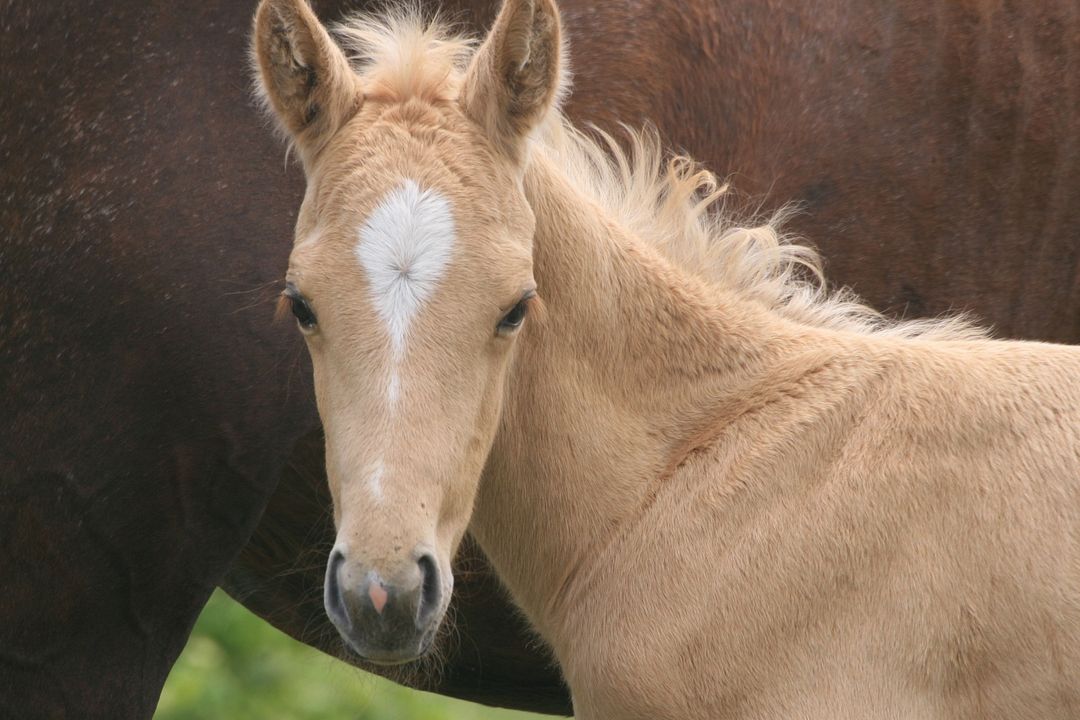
(302, 312)
(299, 307)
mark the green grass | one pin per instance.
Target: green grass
(237, 667)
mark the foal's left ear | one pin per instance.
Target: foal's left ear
(515, 76)
(306, 78)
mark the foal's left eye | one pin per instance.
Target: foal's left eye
(512, 320)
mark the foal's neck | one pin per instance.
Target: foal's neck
(630, 366)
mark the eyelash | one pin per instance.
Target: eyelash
(300, 308)
(512, 320)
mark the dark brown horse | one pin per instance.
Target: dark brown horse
(153, 409)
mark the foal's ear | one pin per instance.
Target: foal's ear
(515, 76)
(305, 77)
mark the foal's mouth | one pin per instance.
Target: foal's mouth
(426, 643)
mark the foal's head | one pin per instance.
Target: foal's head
(410, 278)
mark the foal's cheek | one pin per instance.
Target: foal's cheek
(335, 497)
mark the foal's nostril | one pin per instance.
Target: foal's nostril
(332, 599)
(430, 590)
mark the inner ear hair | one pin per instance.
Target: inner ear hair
(532, 63)
(304, 77)
(515, 77)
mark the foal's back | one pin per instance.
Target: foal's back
(898, 536)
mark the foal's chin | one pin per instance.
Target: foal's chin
(410, 650)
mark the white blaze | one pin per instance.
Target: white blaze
(393, 391)
(375, 479)
(404, 248)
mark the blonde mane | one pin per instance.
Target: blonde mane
(402, 54)
(669, 201)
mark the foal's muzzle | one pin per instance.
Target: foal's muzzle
(386, 618)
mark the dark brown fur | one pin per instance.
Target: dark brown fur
(152, 404)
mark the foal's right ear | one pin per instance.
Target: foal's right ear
(304, 76)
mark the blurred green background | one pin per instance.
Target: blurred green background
(237, 667)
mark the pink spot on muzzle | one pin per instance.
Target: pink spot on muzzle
(378, 596)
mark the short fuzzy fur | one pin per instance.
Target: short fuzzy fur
(716, 489)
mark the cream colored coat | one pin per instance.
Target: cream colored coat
(716, 490)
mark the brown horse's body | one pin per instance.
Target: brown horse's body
(150, 409)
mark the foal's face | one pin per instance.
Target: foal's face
(410, 279)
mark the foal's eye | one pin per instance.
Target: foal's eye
(512, 320)
(302, 312)
(299, 306)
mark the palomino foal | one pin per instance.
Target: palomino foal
(714, 489)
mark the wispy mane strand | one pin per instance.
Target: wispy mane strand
(403, 53)
(679, 207)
